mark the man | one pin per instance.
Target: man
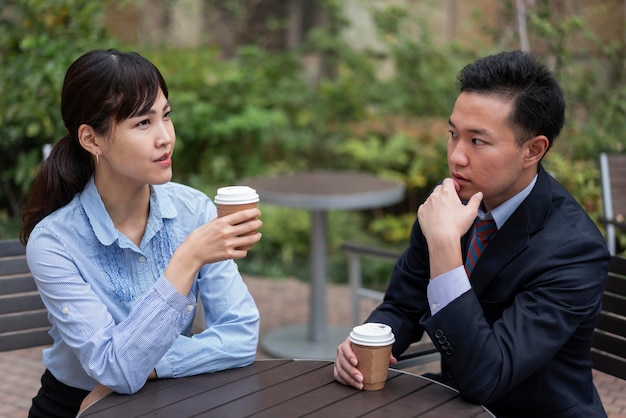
(515, 332)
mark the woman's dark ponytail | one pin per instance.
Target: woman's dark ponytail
(63, 174)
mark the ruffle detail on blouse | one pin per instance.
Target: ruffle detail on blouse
(113, 262)
(122, 284)
(162, 246)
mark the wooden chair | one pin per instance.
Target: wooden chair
(608, 349)
(23, 316)
(421, 352)
(613, 178)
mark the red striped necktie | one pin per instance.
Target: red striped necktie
(484, 230)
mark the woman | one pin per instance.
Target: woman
(119, 253)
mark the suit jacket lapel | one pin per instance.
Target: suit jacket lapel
(513, 237)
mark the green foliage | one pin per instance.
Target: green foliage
(412, 151)
(257, 103)
(271, 256)
(596, 97)
(256, 114)
(38, 41)
(9, 226)
(425, 71)
(581, 178)
(253, 115)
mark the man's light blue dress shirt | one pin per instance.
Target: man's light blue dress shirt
(114, 315)
(448, 286)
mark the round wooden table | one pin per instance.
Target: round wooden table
(285, 388)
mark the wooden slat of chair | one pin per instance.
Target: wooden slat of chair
(24, 320)
(16, 283)
(608, 351)
(34, 337)
(11, 247)
(13, 264)
(23, 316)
(20, 302)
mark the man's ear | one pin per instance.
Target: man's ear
(535, 149)
(88, 139)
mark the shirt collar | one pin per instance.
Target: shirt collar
(161, 207)
(502, 213)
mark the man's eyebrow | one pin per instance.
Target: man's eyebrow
(473, 131)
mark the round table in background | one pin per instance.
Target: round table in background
(319, 191)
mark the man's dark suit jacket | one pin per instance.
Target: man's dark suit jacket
(519, 341)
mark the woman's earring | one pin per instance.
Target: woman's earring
(97, 158)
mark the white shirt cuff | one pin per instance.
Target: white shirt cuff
(446, 287)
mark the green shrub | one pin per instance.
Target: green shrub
(38, 41)
(254, 114)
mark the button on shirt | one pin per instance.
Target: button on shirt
(448, 286)
(114, 315)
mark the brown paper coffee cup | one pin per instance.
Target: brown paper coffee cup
(223, 209)
(233, 199)
(372, 344)
(373, 365)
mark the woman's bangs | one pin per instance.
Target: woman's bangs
(137, 90)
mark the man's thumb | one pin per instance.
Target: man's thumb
(475, 200)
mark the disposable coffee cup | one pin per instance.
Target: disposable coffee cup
(372, 344)
(231, 199)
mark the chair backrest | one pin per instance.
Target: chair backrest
(354, 253)
(23, 316)
(608, 350)
(613, 178)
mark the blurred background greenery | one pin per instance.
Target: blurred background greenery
(268, 86)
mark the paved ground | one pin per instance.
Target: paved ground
(282, 303)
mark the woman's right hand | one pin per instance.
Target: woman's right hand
(220, 239)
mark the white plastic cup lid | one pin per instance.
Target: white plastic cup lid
(236, 195)
(372, 334)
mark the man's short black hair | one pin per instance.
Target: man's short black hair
(538, 103)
